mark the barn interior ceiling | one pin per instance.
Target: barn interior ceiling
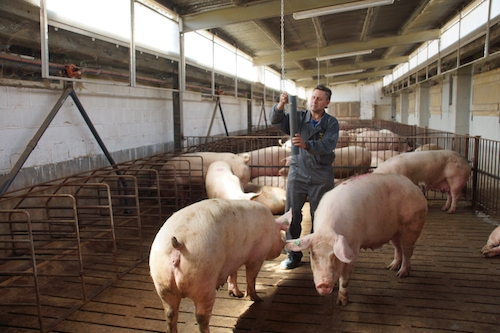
(353, 44)
(392, 31)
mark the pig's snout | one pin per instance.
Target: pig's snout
(324, 288)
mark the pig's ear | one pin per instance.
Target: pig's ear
(252, 195)
(299, 244)
(285, 220)
(246, 157)
(342, 250)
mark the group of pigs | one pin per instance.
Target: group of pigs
(202, 246)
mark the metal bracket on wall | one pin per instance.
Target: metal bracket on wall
(262, 113)
(217, 105)
(68, 91)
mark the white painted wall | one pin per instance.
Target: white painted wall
(367, 95)
(125, 118)
(198, 113)
(138, 122)
(132, 122)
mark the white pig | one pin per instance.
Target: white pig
(202, 245)
(429, 146)
(276, 181)
(443, 170)
(193, 167)
(382, 140)
(348, 161)
(221, 182)
(272, 197)
(363, 212)
(267, 161)
(492, 247)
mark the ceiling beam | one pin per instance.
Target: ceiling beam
(264, 27)
(342, 78)
(349, 47)
(258, 11)
(294, 75)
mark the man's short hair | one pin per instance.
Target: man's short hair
(325, 89)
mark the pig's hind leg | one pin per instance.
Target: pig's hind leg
(232, 285)
(171, 307)
(203, 309)
(398, 253)
(451, 202)
(453, 191)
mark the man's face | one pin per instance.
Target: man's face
(319, 100)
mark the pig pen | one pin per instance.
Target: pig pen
(451, 288)
(73, 254)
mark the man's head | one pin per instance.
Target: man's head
(320, 98)
(325, 89)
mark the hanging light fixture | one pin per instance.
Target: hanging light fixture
(342, 82)
(344, 73)
(344, 55)
(341, 8)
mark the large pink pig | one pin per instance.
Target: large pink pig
(221, 182)
(267, 161)
(443, 170)
(382, 140)
(193, 167)
(202, 245)
(364, 212)
(492, 247)
(275, 181)
(348, 161)
(272, 197)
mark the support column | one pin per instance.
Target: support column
(422, 104)
(404, 104)
(463, 100)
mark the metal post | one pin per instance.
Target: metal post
(293, 121)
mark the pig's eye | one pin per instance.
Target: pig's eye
(313, 254)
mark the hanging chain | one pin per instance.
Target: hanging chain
(283, 85)
(318, 44)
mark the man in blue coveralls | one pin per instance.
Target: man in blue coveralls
(311, 171)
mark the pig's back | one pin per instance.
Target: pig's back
(217, 235)
(371, 208)
(206, 223)
(425, 165)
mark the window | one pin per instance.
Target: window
(155, 32)
(471, 19)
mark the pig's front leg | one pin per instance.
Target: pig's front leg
(343, 296)
(490, 252)
(232, 285)
(492, 247)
